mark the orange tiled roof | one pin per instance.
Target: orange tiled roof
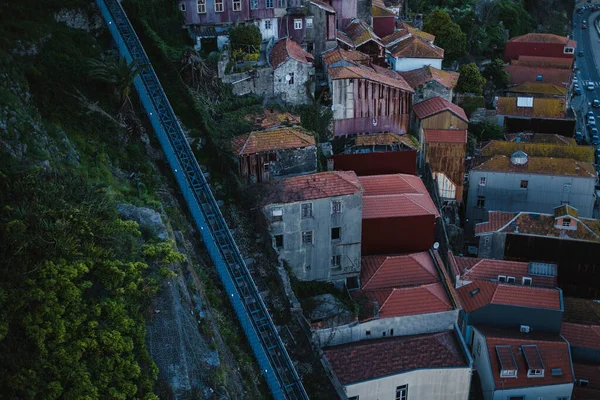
(373, 73)
(420, 76)
(436, 105)
(543, 108)
(519, 74)
(314, 186)
(285, 49)
(496, 220)
(543, 62)
(547, 138)
(581, 311)
(480, 293)
(422, 34)
(395, 195)
(563, 149)
(488, 269)
(338, 54)
(412, 300)
(384, 139)
(270, 119)
(539, 88)
(542, 225)
(394, 37)
(591, 373)
(445, 135)
(416, 47)
(579, 335)
(270, 140)
(359, 32)
(387, 272)
(540, 38)
(540, 165)
(553, 350)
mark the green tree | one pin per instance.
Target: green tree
(514, 17)
(470, 80)
(486, 131)
(448, 34)
(495, 73)
(246, 38)
(118, 73)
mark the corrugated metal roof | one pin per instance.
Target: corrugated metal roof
(445, 135)
(420, 76)
(313, 186)
(271, 140)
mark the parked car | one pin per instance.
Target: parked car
(596, 103)
(578, 136)
(595, 139)
(591, 86)
(580, 54)
(590, 115)
(576, 90)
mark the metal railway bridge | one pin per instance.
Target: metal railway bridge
(250, 309)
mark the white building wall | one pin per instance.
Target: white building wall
(267, 34)
(424, 384)
(408, 64)
(342, 97)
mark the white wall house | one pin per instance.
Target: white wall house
(268, 28)
(402, 64)
(412, 53)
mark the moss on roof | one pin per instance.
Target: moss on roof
(578, 153)
(540, 165)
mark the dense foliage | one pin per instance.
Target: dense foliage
(245, 37)
(72, 291)
(448, 34)
(495, 73)
(470, 79)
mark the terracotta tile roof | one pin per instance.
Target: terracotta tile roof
(507, 294)
(286, 49)
(496, 220)
(591, 373)
(271, 118)
(543, 225)
(378, 9)
(519, 74)
(581, 311)
(359, 32)
(413, 300)
(421, 76)
(416, 47)
(553, 351)
(543, 62)
(565, 210)
(445, 135)
(338, 54)
(540, 38)
(386, 272)
(394, 37)
(578, 335)
(323, 6)
(373, 73)
(540, 165)
(313, 186)
(372, 359)
(543, 108)
(437, 105)
(342, 37)
(395, 195)
(271, 140)
(561, 150)
(387, 139)
(539, 88)
(427, 36)
(549, 138)
(472, 269)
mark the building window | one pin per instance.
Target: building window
(307, 237)
(219, 6)
(524, 184)
(291, 80)
(306, 210)
(516, 398)
(201, 6)
(402, 392)
(482, 181)
(182, 6)
(237, 5)
(501, 278)
(336, 261)
(277, 213)
(535, 373)
(336, 207)
(480, 201)
(268, 24)
(368, 333)
(336, 233)
(353, 398)
(583, 382)
(569, 50)
(269, 3)
(352, 283)
(281, 4)
(566, 222)
(253, 4)
(526, 281)
(510, 279)
(309, 22)
(279, 241)
(297, 24)
(310, 47)
(567, 187)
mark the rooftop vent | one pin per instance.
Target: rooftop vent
(557, 372)
(519, 157)
(524, 101)
(539, 78)
(474, 292)
(542, 269)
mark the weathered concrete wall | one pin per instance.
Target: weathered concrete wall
(313, 261)
(294, 162)
(431, 89)
(259, 83)
(318, 33)
(296, 92)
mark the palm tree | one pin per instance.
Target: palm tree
(116, 72)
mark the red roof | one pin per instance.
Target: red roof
(371, 73)
(541, 38)
(437, 105)
(395, 195)
(487, 269)
(519, 74)
(496, 220)
(313, 186)
(420, 76)
(286, 49)
(271, 140)
(579, 335)
(359, 32)
(553, 351)
(372, 359)
(539, 61)
(384, 272)
(591, 373)
(338, 54)
(413, 300)
(416, 47)
(445, 135)
(478, 294)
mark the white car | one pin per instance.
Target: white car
(590, 86)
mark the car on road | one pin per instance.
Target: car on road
(590, 86)
(580, 54)
(590, 115)
(576, 90)
(595, 139)
(596, 103)
(578, 136)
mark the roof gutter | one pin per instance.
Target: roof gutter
(444, 280)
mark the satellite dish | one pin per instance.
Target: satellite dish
(374, 121)
(436, 246)
(288, 78)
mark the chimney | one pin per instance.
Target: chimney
(375, 309)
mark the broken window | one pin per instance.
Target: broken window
(336, 233)
(307, 237)
(279, 241)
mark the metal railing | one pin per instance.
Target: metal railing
(272, 357)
